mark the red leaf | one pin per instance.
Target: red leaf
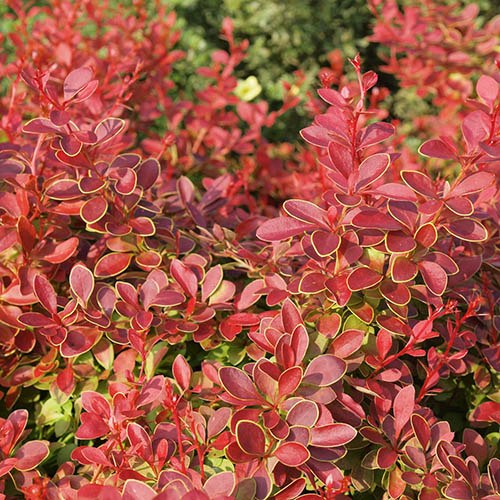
(487, 412)
(250, 437)
(289, 381)
(458, 490)
(212, 280)
(112, 264)
(76, 81)
(292, 490)
(135, 489)
(371, 169)
(27, 234)
(292, 454)
(281, 228)
(81, 281)
(45, 293)
(435, 148)
(434, 277)
(375, 133)
(347, 343)
(332, 435)
(384, 343)
(325, 370)
(419, 182)
(238, 384)
(40, 126)
(92, 427)
(325, 243)
(403, 406)
(66, 380)
(94, 209)
(185, 277)
(220, 485)
(126, 181)
(363, 278)
(306, 211)
(386, 458)
(31, 454)
(147, 173)
(317, 136)
(98, 492)
(487, 89)
(473, 183)
(403, 270)
(108, 128)
(422, 430)
(62, 251)
(182, 372)
(304, 413)
(467, 229)
(371, 218)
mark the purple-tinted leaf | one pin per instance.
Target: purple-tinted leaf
(212, 280)
(324, 370)
(98, 492)
(79, 341)
(332, 435)
(250, 437)
(460, 206)
(35, 320)
(473, 183)
(422, 430)
(81, 281)
(341, 159)
(397, 293)
(218, 421)
(475, 128)
(292, 490)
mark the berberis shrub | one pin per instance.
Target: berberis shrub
(188, 310)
